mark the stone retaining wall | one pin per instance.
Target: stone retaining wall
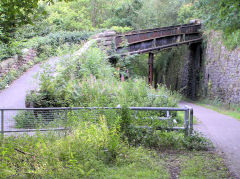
(221, 75)
(105, 40)
(17, 62)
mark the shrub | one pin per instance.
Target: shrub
(196, 142)
(90, 150)
(3, 50)
(26, 120)
(56, 39)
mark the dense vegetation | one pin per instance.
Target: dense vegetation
(220, 15)
(31, 18)
(108, 145)
(98, 144)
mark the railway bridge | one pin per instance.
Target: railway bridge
(152, 41)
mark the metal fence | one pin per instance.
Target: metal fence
(30, 120)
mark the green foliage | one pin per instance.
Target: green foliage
(9, 49)
(120, 29)
(90, 80)
(3, 50)
(232, 40)
(155, 13)
(196, 142)
(203, 165)
(11, 75)
(186, 13)
(26, 120)
(47, 51)
(125, 14)
(90, 150)
(69, 16)
(14, 13)
(125, 120)
(58, 38)
(221, 15)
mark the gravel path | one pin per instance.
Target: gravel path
(223, 131)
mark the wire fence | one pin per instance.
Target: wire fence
(30, 120)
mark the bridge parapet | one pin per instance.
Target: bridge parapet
(106, 40)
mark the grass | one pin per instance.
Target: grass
(100, 149)
(50, 157)
(137, 170)
(233, 111)
(181, 116)
(195, 164)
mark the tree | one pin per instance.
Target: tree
(15, 13)
(220, 14)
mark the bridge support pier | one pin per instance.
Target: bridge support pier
(195, 64)
(150, 68)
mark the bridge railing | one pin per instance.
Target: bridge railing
(144, 41)
(31, 120)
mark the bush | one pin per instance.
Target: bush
(3, 51)
(90, 150)
(196, 142)
(90, 81)
(26, 119)
(58, 38)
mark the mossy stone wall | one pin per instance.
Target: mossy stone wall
(221, 74)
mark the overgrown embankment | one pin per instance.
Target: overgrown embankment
(36, 50)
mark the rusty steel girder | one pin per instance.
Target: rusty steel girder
(149, 40)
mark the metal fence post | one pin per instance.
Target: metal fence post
(2, 121)
(66, 120)
(191, 121)
(66, 112)
(186, 117)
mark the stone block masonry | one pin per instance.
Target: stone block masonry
(17, 61)
(105, 40)
(221, 75)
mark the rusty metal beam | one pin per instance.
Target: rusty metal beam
(160, 48)
(145, 41)
(150, 68)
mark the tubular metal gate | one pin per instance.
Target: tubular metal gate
(30, 120)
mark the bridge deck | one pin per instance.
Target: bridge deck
(149, 40)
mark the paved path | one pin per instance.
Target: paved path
(14, 95)
(223, 131)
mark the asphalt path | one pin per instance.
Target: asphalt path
(223, 131)
(14, 95)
